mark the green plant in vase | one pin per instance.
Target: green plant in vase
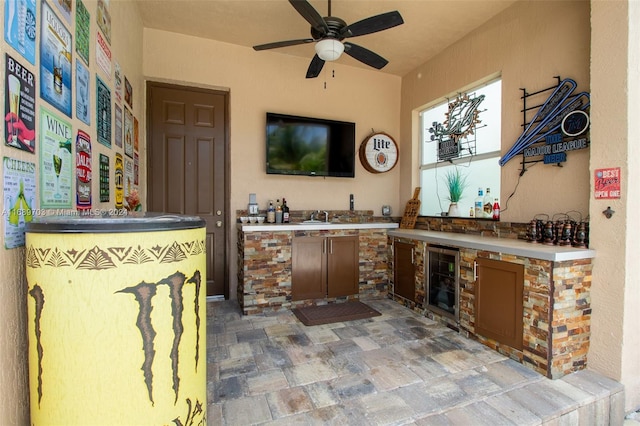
(456, 183)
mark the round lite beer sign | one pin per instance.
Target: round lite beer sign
(379, 153)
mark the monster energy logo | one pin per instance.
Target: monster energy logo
(144, 293)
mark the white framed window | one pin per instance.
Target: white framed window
(447, 143)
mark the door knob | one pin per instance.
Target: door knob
(219, 224)
(219, 212)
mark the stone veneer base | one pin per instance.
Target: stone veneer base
(556, 309)
(264, 268)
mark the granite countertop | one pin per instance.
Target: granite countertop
(499, 245)
(302, 226)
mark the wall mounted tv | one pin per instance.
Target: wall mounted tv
(310, 146)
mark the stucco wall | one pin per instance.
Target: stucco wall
(126, 48)
(528, 45)
(272, 81)
(615, 82)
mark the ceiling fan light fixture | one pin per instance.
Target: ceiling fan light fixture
(329, 49)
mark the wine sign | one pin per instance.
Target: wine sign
(56, 166)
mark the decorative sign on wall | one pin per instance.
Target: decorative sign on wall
(607, 183)
(119, 180)
(128, 132)
(104, 19)
(103, 55)
(117, 82)
(64, 7)
(19, 106)
(461, 120)
(136, 135)
(83, 33)
(55, 61)
(56, 166)
(553, 129)
(128, 92)
(83, 97)
(117, 137)
(103, 112)
(378, 153)
(83, 171)
(20, 27)
(104, 178)
(128, 176)
(136, 167)
(19, 197)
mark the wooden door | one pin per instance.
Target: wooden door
(308, 268)
(498, 301)
(343, 266)
(186, 165)
(404, 270)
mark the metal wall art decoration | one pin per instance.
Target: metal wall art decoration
(460, 122)
(545, 133)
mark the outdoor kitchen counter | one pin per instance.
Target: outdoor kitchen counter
(494, 244)
(315, 226)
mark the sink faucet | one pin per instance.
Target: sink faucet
(316, 215)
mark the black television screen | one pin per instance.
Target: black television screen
(310, 146)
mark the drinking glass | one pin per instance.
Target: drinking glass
(14, 106)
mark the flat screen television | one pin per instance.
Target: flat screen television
(310, 146)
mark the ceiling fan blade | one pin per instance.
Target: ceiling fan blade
(373, 24)
(282, 44)
(365, 55)
(312, 16)
(315, 67)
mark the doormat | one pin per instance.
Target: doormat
(334, 312)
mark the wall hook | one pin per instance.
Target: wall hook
(608, 212)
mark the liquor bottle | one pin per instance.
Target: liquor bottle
(285, 211)
(278, 211)
(487, 205)
(477, 205)
(271, 213)
(496, 210)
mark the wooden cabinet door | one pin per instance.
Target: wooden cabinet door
(404, 270)
(498, 303)
(309, 268)
(343, 266)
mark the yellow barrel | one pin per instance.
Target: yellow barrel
(117, 320)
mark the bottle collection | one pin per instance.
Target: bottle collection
(485, 206)
(275, 212)
(278, 213)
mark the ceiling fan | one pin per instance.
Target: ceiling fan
(329, 33)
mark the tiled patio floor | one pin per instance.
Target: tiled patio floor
(397, 368)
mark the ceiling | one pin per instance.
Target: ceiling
(429, 26)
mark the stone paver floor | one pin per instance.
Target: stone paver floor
(397, 368)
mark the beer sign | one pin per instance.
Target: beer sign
(607, 183)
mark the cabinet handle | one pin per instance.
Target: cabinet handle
(330, 246)
(475, 271)
(324, 247)
(413, 260)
